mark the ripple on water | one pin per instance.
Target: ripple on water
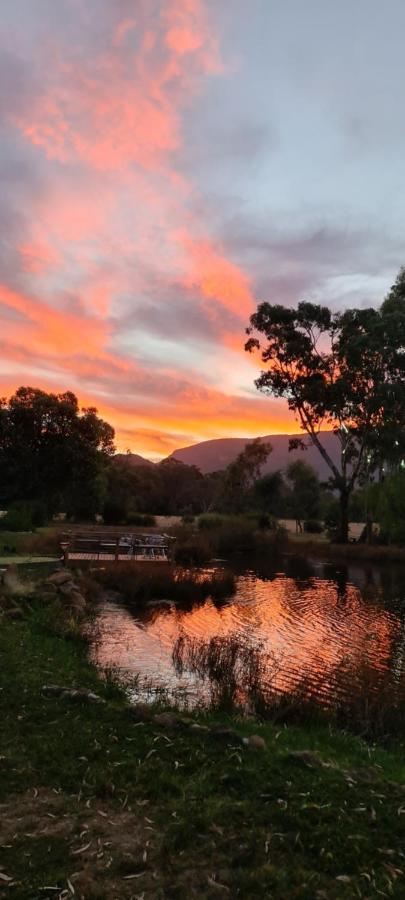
(315, 630)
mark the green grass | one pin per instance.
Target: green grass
(118, 807)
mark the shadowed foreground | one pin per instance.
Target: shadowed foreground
(101, 801)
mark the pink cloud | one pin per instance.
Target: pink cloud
(114, 215)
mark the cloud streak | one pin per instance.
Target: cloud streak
(146, 209)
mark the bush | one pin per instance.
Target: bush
(222, 536)
(313, 526)
(114, 513)
(18, 518)
(24, 516)
(209, 521)
(142, 519)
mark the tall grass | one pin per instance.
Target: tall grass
(223, 536)
(138, 586)
(244, 677)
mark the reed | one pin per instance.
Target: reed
(225, 536)
(242, 677)
(137, 586)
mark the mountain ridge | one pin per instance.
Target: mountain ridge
(218, 453)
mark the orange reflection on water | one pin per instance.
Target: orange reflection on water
(308, 627)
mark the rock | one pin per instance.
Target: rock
(226, 734)
(47, 588)
(167, 720)
(67, 588)
(71, 693)
(77, 601)
(255, 742)
(199, 729)
(15, 613)
(308, 758)
(59, 577)
(187, 721)
(141, 712)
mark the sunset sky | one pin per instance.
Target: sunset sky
(165, 165)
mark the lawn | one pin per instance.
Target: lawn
(98, 801)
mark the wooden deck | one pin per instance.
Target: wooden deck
(121, 547)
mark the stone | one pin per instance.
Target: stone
(167, 720)
(47, 588)
(77, 601)
(308, 758)
(256, 742)
(71, 693)
(226, 734)
(199, 729)
(141, 712)
(15, 613)
(59, 577)
(67, 588)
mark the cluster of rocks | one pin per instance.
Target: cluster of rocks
(173, 720)
(62, 585)
(141, 712)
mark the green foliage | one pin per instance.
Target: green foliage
(304, 499)
(24, 516)
(224, 536)
(269, 493)
(52, 452)
(169, 488)
(241, 475)
(344, 371)
(392, 509)
(140, 519)
(313, 526)
(209, 521)
(18, 518)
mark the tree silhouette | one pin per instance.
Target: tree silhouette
(342, 371)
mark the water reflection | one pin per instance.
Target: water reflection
(317, 620)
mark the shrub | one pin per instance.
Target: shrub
(141, 519)
(19, 518)
(313, 526)
(114, 513)
(223, 536)
(208, 521)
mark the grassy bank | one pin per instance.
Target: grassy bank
(304, 545)
(98, 801)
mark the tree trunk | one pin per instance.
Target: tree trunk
(344, 517)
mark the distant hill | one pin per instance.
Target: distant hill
(210, 456)
(133, 459)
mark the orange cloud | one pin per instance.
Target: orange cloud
(113, 218)
(53, 331)
(217, 277)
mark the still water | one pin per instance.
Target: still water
(321, 625)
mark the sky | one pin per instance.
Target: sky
(165, 165)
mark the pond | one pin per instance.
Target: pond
(319, 626)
